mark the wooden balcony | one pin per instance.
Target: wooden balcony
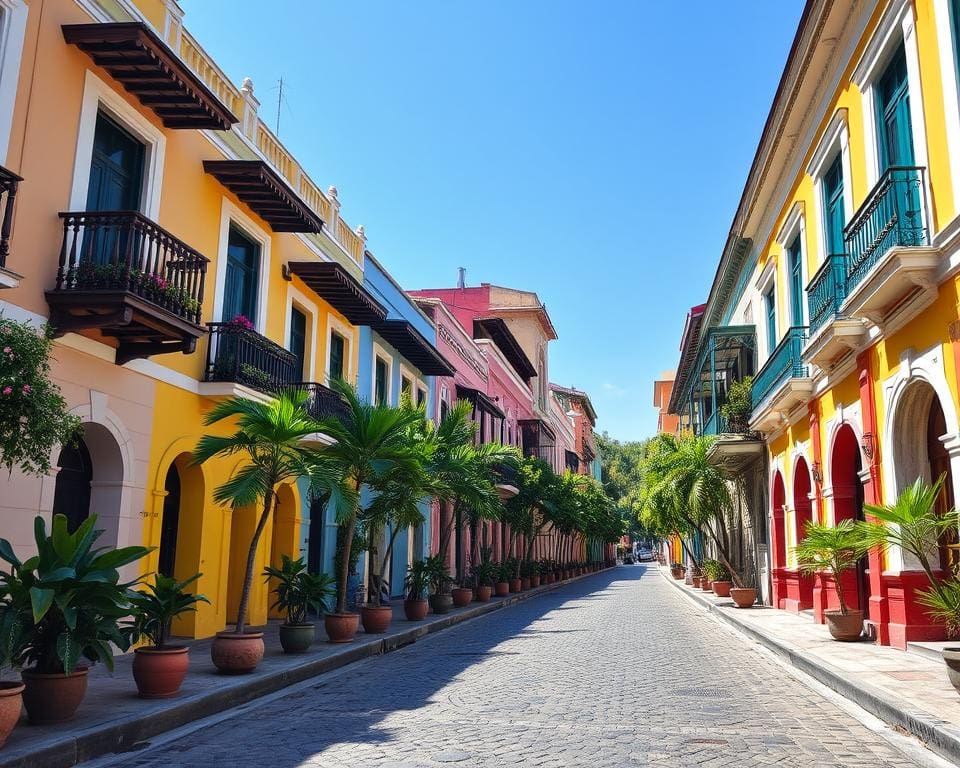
(9, 182)
(128, 278)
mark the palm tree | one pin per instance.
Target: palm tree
(834, 548)
(659, 505)
(536, 485)
(371, 444)
(270, 436)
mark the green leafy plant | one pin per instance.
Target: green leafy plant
(417, 581)
(504, 571)
(34, 417)
(439, 576)
(943, 604)
(67, 602)
(485, 571)
(714, 570)
(833, 548)
(299, 593)
(159, 604)
(739, 405)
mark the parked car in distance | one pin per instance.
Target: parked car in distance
(644, 555)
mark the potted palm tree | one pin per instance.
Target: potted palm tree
(160, 668)
(270, 437)
(501, 587)
(719, 578)
(61, 610)
(484, 573)
(834, 548)
(299, 594)
(440, 599)
(415, 606)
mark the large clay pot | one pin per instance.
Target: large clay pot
(297, 638)
(501, 588)
(677, 573)
(483, 593)
(721, 588)
(462, 596)
(845, 627)
(744, 597)
(341, 627)
(52, 698)
(534, 581)
(696, 582)
(441, 603)
(705, 584)
(951, 657)
(159, 672)
(524, 584)
(235, 654)
(376, 618)
(416, 610)
(515, 585)
(11, 702)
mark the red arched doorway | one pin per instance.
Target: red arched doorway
(800, 585)
(845, 468)
(778, 541)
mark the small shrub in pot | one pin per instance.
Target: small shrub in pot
(415, 585)
(300, 594)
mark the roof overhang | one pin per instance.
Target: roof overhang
(497, 331)
(335, 285)
(480, 400)
(689, 347)
(410, 343)
(267, 195)
(539, 311)
(734, 453)
(137, 58)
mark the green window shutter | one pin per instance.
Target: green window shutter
(834, 212)
(894, 126)
(770, 302)
(795, 265)
(298, 339)
(337, 355)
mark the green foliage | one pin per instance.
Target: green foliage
(739, 403)
(66, 603)
(34, 418)
(505, 571)
(438, 576)
(417, 581)
(942, 601)
(834, 548)
(298, 592)
(159, 604)
(485, 571)
(714, 570)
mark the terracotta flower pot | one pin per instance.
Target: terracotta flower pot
(696, 582)
(441, 603)
(462, 596)
(483, 593)
(235, 654)
(845, 627)
(677, 573)
(159, 672)
(341, 627)
(951, 657)
(548, 578)
(11, 702)
(515, 585)
(744, 597)
(376, 618)
(534, 582)
(722, 588)
(524, 584)
(501, 588)
(416, 610)
(52, 698)
(705, 585)
(297, 638)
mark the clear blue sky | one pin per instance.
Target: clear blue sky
(594, 153)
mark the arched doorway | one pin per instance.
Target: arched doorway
(845, 468)
(799, 585)
(778, 543)
(71, 494)
(169, 523)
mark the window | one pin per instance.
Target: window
(406, 386)
(443, 409)
(770, 304)
(298, 340)
(13, 24)
(380, 382)
(421, 396)
(243, 267)
(894, 128)
(795, 265)
(116, 168)
(338, 348)
(834, 212)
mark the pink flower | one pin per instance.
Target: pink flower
(7, 350)
(7, 390)
(26, 389)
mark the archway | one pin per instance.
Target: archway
(778, 544)
(845, 468)
(71, 495)
(799, 584)
(169, 523)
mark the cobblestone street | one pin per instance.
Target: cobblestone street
(615, 670)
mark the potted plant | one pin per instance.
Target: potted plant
(462, 595)
(514, 574)
(484, 573)
(501, 587)
(159, 668)
(299, 594)
(526, 572)
(60, 609)
(441, 601)
(739, 406)
(415, 585)
(534, 573)
(719, 579)
(678, 570)
(836, 549)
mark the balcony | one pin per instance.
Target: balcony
(9, 182)
(890, 259)
(238, 355)
(506, 481)
(130, 279)
(832, 334)
(782, 383)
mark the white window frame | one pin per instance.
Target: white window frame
(416, 381)
(97, 96)
(793, 227)
(13, 29)
(765, 281)
(379, 351)
(950, 77)
(835, 141)
(896, 28)
(334, 324)
(231, 214)
(297, 299)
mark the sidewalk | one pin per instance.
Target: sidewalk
(907, 690)
(112, 718)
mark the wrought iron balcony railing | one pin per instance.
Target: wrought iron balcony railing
(785, 363)
(9, 182)
(827, 290)
(242, 356)
(125, 251)
(323, 402)
(894, 214)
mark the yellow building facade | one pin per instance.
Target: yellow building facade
(183, 256)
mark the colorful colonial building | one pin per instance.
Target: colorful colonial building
(837, 292)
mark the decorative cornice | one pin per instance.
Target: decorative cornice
(447, 335)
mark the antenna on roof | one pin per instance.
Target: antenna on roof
(461, 277)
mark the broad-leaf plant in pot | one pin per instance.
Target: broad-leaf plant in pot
(484, 573)
(61, 610)
(160, 668)
(299, 595)
(441, 601)
(415, 585)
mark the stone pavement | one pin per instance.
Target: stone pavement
(618, 669)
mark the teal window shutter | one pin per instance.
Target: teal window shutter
(771, 306)
(795, 265)
(894, 126)
(298, 339)
(240, 286)
(834, 212)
